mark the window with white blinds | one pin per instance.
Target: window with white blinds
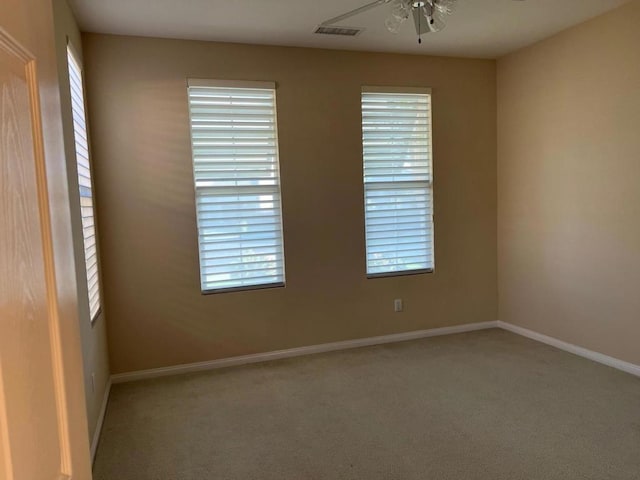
(397, 157)
(84, 182)
(237, 183)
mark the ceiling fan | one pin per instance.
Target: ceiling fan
(428, 15)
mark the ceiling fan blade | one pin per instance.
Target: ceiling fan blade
(354, 12)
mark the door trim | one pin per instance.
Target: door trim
(10, 45)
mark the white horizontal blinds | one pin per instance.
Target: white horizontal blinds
(396, 141)
(235, 161)
(84, 182)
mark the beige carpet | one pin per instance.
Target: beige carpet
(487, 405)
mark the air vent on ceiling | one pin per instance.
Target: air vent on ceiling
(344, 31)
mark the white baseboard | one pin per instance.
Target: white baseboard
(359, 342)
(576, 350)
(296, 352)
(98, 430)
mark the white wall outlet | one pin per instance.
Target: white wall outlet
(397, 305)
(93, 382)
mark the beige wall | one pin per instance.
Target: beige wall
(569, 185)
(94, 337)
(140, 134)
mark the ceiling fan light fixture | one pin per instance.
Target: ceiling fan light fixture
(445, 7)
(392, 25)
(400, 12)
(428, 15)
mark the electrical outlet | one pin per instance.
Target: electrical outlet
(93, 382)
(397, 305)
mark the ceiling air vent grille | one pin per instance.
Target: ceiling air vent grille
(344, 31)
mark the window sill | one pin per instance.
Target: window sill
(404, 273)
(243, 289)
(95, 317)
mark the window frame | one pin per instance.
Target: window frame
(429, 183)
(72, 54)
(238, 84)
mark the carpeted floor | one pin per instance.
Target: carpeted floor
(486, 405)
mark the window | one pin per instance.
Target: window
(397, 157)
(84, 182)
(237, 184)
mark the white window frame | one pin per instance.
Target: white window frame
(83, 164)
(426, 185)
(275, 190)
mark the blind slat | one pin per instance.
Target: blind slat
(223, 262)
(242, 253)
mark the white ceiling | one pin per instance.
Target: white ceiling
(478, 28)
